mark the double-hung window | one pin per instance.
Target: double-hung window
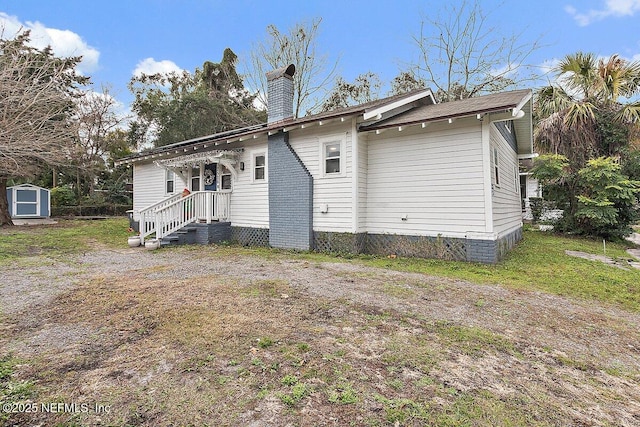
(195, 179)
(259, 167)
(225, 178)
(332, 158)
(496, 167)
(169, 178)
(332, 153)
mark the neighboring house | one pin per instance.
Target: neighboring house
(529, 187)
(401, 175)
(29, 201)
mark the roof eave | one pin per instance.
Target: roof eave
(218, 139)
(377, 113)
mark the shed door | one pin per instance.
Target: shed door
(26, 202)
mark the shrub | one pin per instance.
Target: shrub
(63, 196)
(537, 207)
(600, 199)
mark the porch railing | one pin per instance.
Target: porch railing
(147, 215)
(204, 206)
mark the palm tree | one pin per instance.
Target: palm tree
(575, 116)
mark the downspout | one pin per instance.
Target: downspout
(355, 176)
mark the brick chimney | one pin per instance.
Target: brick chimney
(280, 94)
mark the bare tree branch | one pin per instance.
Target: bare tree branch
(299, 47)
(37, 92)
(460, 56)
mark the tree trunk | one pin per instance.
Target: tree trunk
(5, 217)
(78, 193)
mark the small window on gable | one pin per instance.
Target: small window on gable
(496, 167)
(259, 167)
(169, 178)
(225, 178)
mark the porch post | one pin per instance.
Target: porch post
(209, 203)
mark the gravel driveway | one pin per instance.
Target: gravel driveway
(607, 337)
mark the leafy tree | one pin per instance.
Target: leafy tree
(365, 88)
(461, 56)
(583, 120)
(113, 179)
(37, 92)
(298, 46)
(598, 199)
(96, 119)
(607, 203)
(587, 113)
(181, 106)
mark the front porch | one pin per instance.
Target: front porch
(208, 176)
(176, 212)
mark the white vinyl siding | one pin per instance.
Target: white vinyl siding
(506, 204)
(149, 185)
(333, 190)
(432, 177)
(250, 198)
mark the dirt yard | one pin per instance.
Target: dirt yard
(222, 337)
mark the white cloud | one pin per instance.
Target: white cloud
(151, 66)
(611, 8)
(64, 43)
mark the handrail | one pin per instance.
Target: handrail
(199, 205)
(147, 215)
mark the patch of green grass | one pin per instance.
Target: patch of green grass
(473, 341)
(271, 288)
(66, 237)
(289, 380)
(12, 390)
(265, 342)
(402, 410)
(574, 363)
(298, 392)
(401, 291)
(303, 347)
(539, 263)
(484, 408)
(343, 394)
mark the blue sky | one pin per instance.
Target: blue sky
(119, 37)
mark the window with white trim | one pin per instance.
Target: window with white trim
(332, 152)
(332, 157)
(259, 167)
(195, 179)
(169, 179)
(496, 167)
(225, 178)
